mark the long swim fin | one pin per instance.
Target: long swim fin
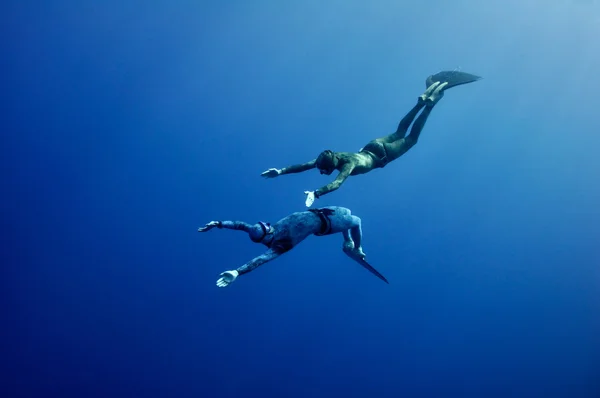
(453, 78)
(371, 269)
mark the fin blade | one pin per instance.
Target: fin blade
(453, 78)
(372, 270)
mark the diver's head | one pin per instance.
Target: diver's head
(261, 232)
(326, 162)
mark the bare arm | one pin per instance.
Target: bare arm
(344, 173)
(299, 168)
(258, 261)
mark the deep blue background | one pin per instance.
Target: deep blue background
(128, 124)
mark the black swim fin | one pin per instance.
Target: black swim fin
(453, 78)
(372, 270)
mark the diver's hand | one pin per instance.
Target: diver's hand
(210, 226)
(310, 198)
(271, 173)
(227, 278)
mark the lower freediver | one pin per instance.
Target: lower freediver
(288, 232)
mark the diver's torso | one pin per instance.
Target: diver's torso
(296, 227)
(363, 162)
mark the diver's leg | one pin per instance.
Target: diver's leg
(356, 236)
(410, 116)
(348, 245)
(353, 236)
(405, 123)
(430, 102)
(402, 126)
(341, 219)
(356, 231)
(418, 125)
(398, 148)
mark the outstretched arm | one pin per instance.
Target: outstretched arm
(258, 261)
(344, 173)
(312, 195)
(237, 225)
(228, 277)
(297, 168)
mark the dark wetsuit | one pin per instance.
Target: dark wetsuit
(278, 245)
(293, 229)
(280, 241)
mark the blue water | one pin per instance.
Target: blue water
(126, 125)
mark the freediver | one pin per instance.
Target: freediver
(381, 151)
(288, 232)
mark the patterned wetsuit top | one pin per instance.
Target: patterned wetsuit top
(235, 225)
(280, 246)
(277, 246)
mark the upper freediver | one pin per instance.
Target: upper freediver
(381, 151)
